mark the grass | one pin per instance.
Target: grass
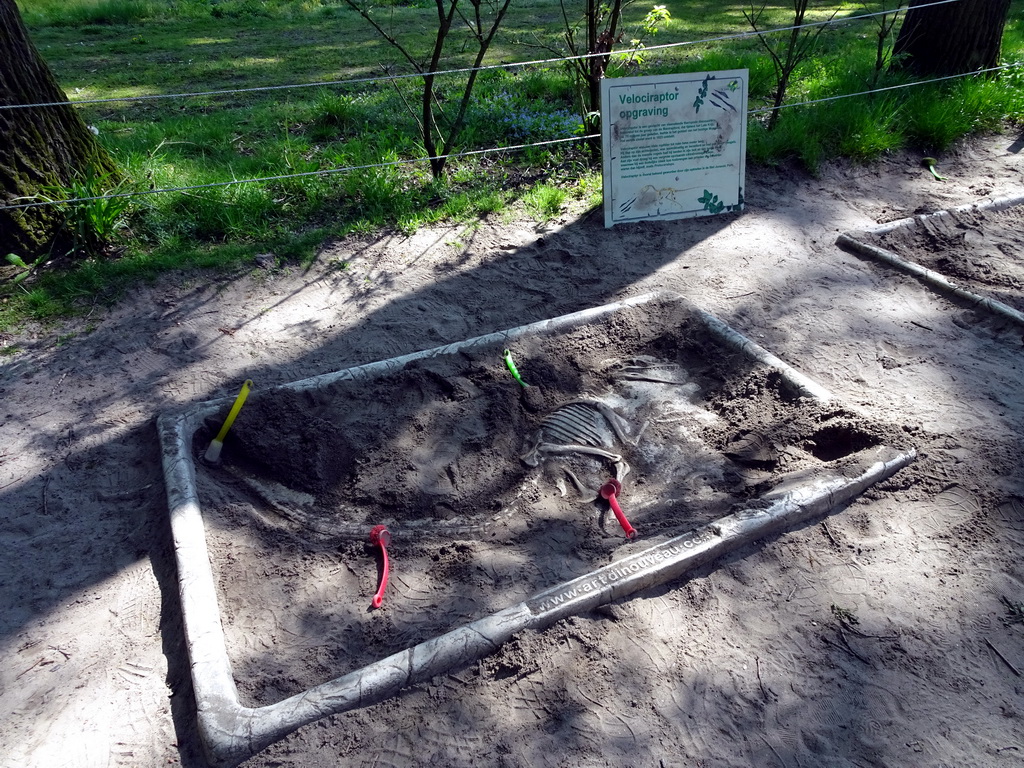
(129, 48)
(545, 201)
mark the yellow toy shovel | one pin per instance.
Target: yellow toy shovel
(212, 454)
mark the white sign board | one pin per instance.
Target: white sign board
(675, 146)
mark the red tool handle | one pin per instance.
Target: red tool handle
(628, 529)
(609, 491)
(380, 536)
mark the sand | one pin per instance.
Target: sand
(978, 250)
(883, 635)
(490, 490)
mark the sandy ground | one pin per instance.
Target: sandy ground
(880, 637)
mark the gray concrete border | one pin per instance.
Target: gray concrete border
(232, 732)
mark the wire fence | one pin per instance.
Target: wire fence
(307, 174)
(885, 88)
(466, 153)
(466, 70)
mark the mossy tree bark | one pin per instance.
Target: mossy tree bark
(951, 39)
(38, 146)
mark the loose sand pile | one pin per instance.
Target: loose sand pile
(483, 484)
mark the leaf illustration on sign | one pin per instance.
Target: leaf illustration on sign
(702, 93)
(711, 202)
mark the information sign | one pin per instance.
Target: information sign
(674, 146)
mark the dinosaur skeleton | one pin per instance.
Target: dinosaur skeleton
(646, 368)
(589, 427)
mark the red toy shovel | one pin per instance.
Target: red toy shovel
(608, 491)
(380, 536)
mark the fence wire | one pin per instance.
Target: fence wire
(304, 174)
(466, 70)
(468, 153)
(824, 99)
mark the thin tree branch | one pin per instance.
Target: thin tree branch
(485, 44)
(389, 38)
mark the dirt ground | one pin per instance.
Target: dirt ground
(885, 635)
(979, 251)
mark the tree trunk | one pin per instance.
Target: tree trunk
(38, 146)
(951, 39)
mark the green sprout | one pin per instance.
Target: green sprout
(929, 163)
(507, 357)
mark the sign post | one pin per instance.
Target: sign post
(674, 146)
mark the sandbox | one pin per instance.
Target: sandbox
(971, 253)
(489, 487)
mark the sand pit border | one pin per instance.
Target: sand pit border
(232, 732)
(928, 276)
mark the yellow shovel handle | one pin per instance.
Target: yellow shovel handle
(235, 408)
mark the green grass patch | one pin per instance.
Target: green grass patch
(133, 48)
(545, 202)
